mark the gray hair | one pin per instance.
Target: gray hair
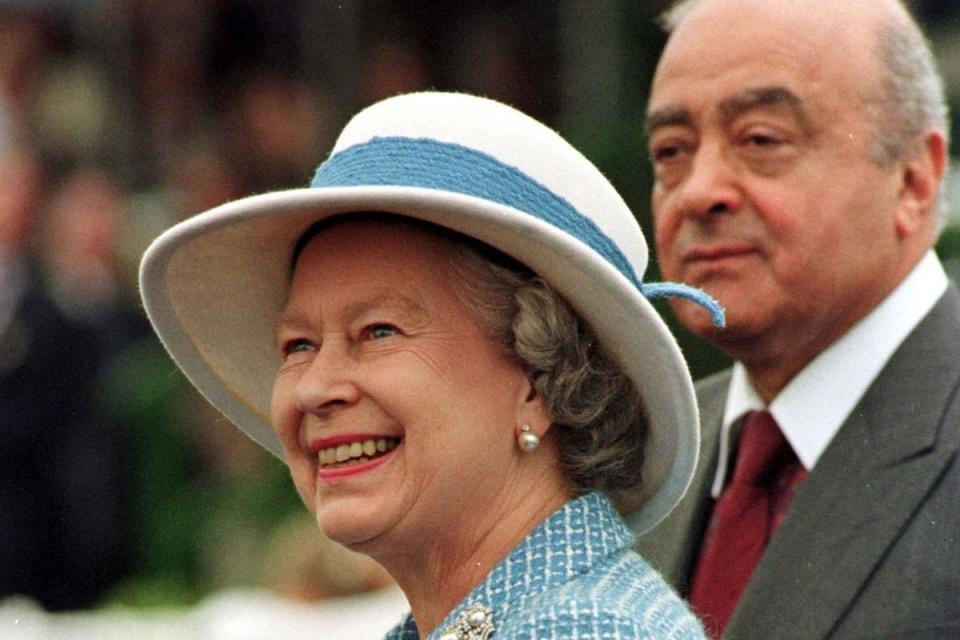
(598, 417)
(909, 99)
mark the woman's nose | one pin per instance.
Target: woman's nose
(328, 382)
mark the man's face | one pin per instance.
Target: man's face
(765, 194)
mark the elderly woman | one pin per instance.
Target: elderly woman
(446, 339)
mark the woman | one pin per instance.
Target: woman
(446, 339)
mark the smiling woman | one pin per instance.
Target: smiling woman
(447, 340)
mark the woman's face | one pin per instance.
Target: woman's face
(397, 416)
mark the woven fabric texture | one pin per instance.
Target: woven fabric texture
(575, 576)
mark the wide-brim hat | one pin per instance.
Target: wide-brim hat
(214, 284)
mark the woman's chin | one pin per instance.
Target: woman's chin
(352, 527)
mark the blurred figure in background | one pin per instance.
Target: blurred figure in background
(274, 125)
(60, 523)
(80, 229)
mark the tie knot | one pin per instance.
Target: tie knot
(762, 450)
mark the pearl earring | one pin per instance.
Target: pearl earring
(527, 439)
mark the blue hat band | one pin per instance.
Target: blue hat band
(430, 164)
(419, 162)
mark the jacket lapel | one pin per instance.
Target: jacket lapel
(871, 478)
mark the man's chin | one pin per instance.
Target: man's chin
(738, 334)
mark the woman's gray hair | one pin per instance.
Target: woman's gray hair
(598, 418)
(909, 97)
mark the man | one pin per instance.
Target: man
(799, 148)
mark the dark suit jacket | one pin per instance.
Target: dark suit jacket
(871, 545)
(61, 488)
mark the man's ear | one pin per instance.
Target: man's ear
(922, 177)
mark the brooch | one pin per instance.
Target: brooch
(474, 623)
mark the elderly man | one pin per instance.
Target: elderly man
(799, 148)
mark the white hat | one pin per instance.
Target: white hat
(214, 284)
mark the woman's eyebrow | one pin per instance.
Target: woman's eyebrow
(290, 318)
(409, 307)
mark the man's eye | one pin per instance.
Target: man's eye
(665, 153)
(763, 141)
(378, 331)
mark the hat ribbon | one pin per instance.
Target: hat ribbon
(431, 164)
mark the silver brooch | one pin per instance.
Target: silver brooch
(474, 623)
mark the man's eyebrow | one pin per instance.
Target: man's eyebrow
(731, 107)
(760, 97)
(667, 117)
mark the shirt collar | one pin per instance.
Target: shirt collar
(568, 543)
(816, 402)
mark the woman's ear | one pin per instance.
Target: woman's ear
(532, 410)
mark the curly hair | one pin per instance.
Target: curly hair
(598, 417)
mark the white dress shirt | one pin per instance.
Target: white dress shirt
(818, 400)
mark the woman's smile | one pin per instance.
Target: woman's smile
(350, 455)
(347, 450)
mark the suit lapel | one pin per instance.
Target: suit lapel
(871, 478)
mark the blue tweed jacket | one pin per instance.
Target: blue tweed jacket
(574, 576)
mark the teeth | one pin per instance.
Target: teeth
(356, 452)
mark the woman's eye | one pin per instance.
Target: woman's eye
(379, 331)
(297, 346)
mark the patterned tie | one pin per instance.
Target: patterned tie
(744, 518)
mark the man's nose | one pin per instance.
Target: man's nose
(711, 186)
(328, 383)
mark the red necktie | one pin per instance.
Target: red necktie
(744, 518)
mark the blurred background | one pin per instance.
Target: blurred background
(127, 506)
